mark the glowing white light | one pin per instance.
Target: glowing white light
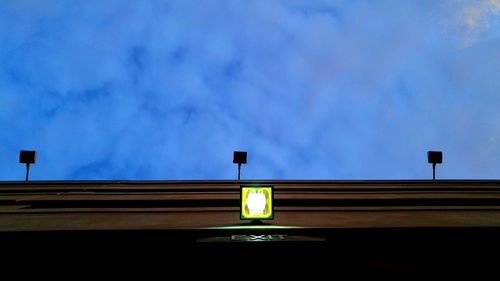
(256, 202)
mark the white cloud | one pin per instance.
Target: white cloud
(475, 19)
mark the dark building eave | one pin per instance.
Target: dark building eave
(411, 228)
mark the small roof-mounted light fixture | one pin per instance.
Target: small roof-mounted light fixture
(256, 202)
(239, 157)
(27, 157)
(434, 157)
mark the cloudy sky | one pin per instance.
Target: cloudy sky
(347, 89)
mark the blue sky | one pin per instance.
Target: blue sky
(349, 89)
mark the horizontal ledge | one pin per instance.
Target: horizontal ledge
(47, 204)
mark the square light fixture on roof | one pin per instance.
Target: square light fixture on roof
(256, 202)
